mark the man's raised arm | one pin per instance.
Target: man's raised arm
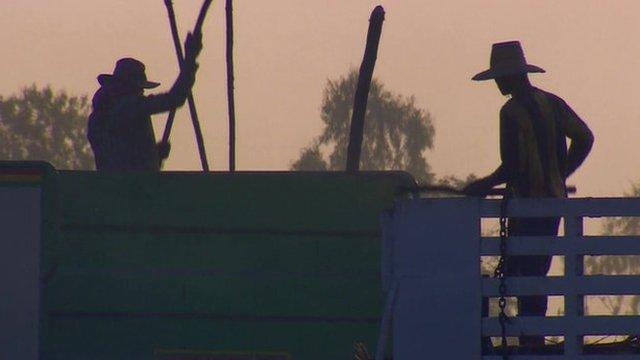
(176, 97)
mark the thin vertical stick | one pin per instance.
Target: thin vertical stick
(192, 105)
(362, 91)
(230, 87)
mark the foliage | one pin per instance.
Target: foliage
(310, 160)
(618, 265)
(396, 132)
(38, 124)
(624, 225)
(450, 180)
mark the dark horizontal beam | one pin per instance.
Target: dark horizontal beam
(206, 230)
(209, 316)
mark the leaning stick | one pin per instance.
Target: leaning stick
(192, 106)
(178, 47)
(230, 95)
(362, 91)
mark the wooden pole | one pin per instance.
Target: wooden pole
(230, 94)
(178, 47)
(362, 91)
(192, 105)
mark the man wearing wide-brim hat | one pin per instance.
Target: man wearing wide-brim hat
(119, 129)
(534, 126)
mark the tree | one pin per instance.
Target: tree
(310, 160)
(38, 124)
(618, 265)
(624, 225)
(396, 132)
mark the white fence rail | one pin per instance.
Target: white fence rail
(432, 250)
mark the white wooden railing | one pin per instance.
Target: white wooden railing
(431, 272)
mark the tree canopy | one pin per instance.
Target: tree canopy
(40, 124)
(618, 265)
(396, 133)
(618, 226)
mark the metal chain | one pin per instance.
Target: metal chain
(499, 273)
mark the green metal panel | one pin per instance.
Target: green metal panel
(255, 262)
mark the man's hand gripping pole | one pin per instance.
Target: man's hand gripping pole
(197, 35)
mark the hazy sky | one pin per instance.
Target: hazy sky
(287, 49)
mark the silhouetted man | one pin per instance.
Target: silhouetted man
(120, 129)
(534, 125)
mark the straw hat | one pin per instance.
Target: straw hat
(507, 58)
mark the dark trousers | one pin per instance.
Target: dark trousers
(531, 265)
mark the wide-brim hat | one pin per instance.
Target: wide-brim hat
(128, 71)
(507, 58)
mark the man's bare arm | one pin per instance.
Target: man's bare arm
(580, 135)
(508, 151)
(483, 186)
(177, 96)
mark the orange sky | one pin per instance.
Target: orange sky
(286, 49)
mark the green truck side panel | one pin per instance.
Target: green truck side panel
(284, 262)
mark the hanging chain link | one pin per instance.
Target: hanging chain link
(499, 273)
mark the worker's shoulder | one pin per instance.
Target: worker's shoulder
(511, 107)
(127, 104)
(549, 96)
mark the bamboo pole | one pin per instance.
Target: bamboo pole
(230, 87)
(362, 91)
(192, 106)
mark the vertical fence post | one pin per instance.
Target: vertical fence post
(230, 95)
(20, 252)
(573, 302)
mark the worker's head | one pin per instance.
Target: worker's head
(509, 84)
(130, 74)
(508, 67)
